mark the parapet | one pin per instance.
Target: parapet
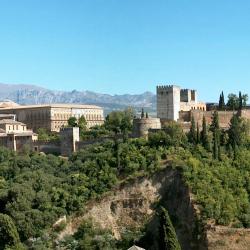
(166, 87)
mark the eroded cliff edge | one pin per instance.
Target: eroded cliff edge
(134, 204)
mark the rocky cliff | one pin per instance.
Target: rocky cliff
(135, 203)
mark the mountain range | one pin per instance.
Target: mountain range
(32, 94)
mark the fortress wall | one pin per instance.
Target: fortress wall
(184, 116)
(224, 117)
(141, 126)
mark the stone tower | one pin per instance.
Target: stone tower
(188, 95)
(168, 102)
(69, 137)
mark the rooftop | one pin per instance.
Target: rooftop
(52, 105)
(10, 121)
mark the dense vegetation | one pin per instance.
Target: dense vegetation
(36, 189)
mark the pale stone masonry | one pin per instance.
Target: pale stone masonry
(171, 100)
(15, 135)
(54, 116)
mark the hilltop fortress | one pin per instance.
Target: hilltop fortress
(180, 105)
(176, 104)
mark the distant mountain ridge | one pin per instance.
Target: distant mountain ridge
(31, 94)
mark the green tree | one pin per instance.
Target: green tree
(222, 101)
(192, 133)
(82, 123)
(204, 134)
(9, 237)
(120, 121)
(198, 134)
(142, 113)
(72, 122)
(215, 128)
(233, 102)
(167, 236)
(240, 101)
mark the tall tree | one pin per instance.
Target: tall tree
(192, 132)
(167, 236)
(240, 101)
(204, 134)
(222, 101)
(82, 123)
(235, 133)
(142, 113)
(198, 134)
(215, 128)
(233, 102)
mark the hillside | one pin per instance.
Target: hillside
(31, 94)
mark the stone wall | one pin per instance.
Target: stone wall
(69, 137)
(141, 126)
(48, 147)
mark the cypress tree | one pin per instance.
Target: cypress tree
(167, 236)
(215, 121)
(222, 101)
(234, 133)
(198, 134)
(192, 132)
(215, 128)
(204, 134)
(142, 113)
(146, 114)
(240, 101)
(215, 147)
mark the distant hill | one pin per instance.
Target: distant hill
(31, 94)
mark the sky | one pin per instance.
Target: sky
(127, 46)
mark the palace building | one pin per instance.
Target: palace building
(53, 116)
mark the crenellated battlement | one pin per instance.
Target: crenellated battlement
(166, 87)
(186, 90)
(171, 99)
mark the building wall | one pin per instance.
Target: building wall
(168, 102)
(187, 106)
(54, 118)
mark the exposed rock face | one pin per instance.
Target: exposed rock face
(133, 205)
(224, 238)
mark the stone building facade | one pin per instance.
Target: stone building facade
(54, 116)
(15, 135)
(141, 126)
(171, 100)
